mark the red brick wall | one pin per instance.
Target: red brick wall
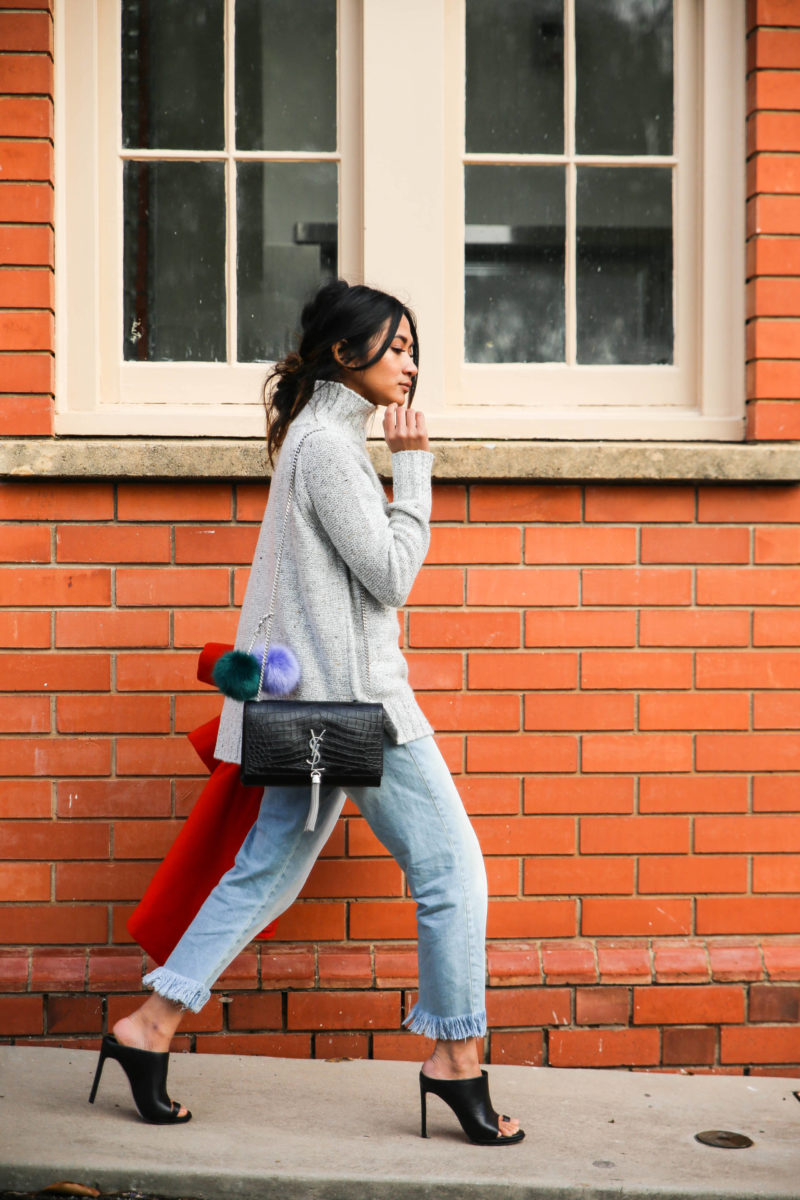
(613, 672)
(773, 220)
(26, 217)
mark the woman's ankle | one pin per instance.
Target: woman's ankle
(453, 1060)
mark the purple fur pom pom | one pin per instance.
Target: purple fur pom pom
(282, 673)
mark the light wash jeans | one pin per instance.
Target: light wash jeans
(417, 814)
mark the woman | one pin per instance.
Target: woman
(350, 559)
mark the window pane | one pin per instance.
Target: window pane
(624, 265)
(174, 261)
(172, 75)
(515, 76)
(286, 75)
(287, 214)
(514, 264)
(624, 76)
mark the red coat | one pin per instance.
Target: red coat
(206, 846)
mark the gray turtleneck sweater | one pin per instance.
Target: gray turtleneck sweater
(348, 552)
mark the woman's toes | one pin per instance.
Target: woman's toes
(507, 1126)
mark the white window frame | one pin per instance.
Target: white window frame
(401, 122)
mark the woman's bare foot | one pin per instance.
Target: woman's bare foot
(151, 1027)
(459, 1060)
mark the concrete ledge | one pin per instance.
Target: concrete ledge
(466, 461)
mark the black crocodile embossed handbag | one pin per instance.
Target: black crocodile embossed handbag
(306, 741)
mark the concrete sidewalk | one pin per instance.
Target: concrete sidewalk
(267, 1128)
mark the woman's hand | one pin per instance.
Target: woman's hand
(404, 429)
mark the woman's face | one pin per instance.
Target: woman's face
(388, 381)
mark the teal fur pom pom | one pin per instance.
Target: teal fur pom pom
(236, 674)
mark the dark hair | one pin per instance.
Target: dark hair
(338, 313)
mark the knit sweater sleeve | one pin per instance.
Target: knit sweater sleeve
(384, 550)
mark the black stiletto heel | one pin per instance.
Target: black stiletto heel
(470, 1101)
(147, 1074)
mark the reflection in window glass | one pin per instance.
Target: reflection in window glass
(174, 261)
(624, 76)
(514, 269)
(515, 76)
(173, 75)
(287, 220)
(625, 265)
(286, 75)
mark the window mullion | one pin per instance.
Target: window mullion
(231, 307)
(570, 269)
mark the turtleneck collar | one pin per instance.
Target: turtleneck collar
(340, 405)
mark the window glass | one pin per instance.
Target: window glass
(285, 75)
(173, 75)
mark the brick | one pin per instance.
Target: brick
(513, 963)
(396, 966)
(437, 587)
(193, 711)
(21, 1015)
(520, 753)
(153, 672)
(601, 1006)
(569, 964)
(196, 627)
(26, 372)
(774, 504)
(27, 32)
(577, 711)
(80, 798)
(635, 669)
(717, 710)
(692, 794)
(698, 545)
(58, 970)
(448, 711)
(58, 757)
(144, 839)
(747, 752)
(694, 627)
(520, 586)
(579, 795)
(30, 714)
(168, 586)
(60, 501)
(54, 587)
(778, 874)
(401, 1047)
(580, 628)
(665, 876)
(106, 881)
(639, 503)
(680, 962)
(772, 256)
(532, 919)
(14, 969)
(145, 628)
(753, 834)
(523, 671)
(623, 964)
(31, 74)
(341, 1046)
(48, 840)
(770, 1004)
(368, 877)
(776, 628)
(637, 586)
(525, 835)
(773, 297)
(27, 204)
(634, 835)
(48, 924)
(503, 876)
(735, 962)
(287, 967)
(25, 798)
(773, 381)
(771, 12)
(343, 1010)
(547, 545)
(215, 544)
(449, 502)
(310, 919)
(55, 672)
(517, 1049)
(31, 330)
(780, 545)
(74, 1014)
(773, 215)
(272, 1045)
(24, 881)
(25, 630)
(774, 131)
(510, 1007)
(113, 543)
(766, 338)
(760, 1044)
(689, 1046)
(174, 502)
(603, 1047)
(776, 710)
(693, 1005)
(580, 876)
(463, 629)
(452, 544)
(251, 501)
(26, 415)
(609, 752)
(782, 962)
(489, 795)
(113, 714)
(747, 914)
(441, 672)
(773, 421)
(25, 543)
(260, 1011)
(635, 917)
(517, 503)
(776, 793)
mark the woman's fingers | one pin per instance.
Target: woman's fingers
(404, 429)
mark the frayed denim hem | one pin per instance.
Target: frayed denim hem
(186, 992)
(449, 1029)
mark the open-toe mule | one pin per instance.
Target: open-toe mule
(147, 1074)
(470, 1101)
